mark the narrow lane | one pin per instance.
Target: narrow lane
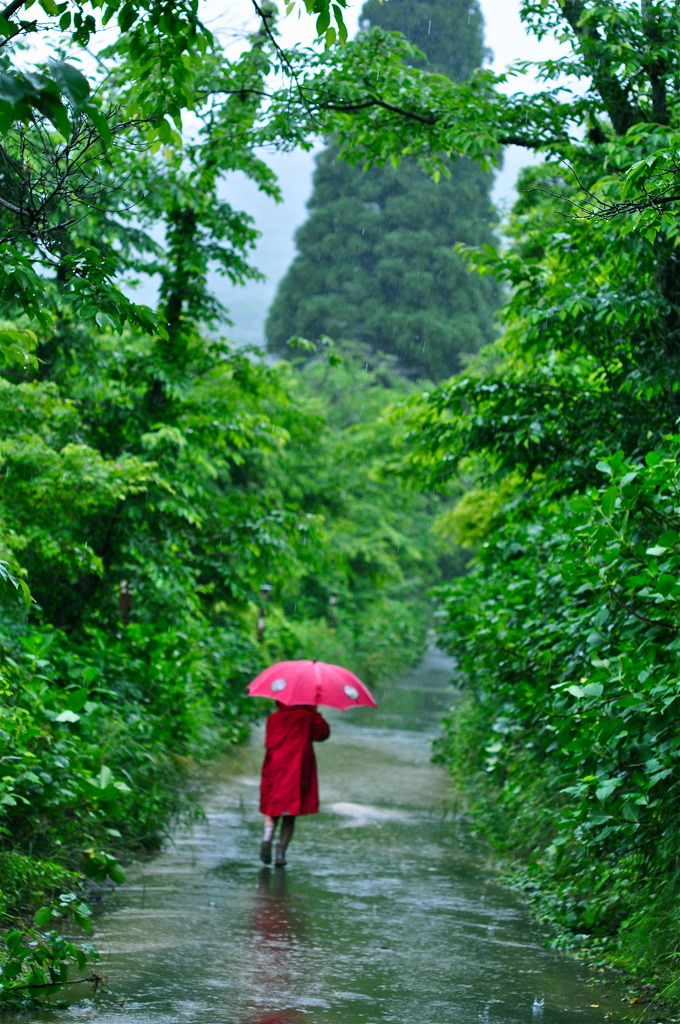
(387, 911)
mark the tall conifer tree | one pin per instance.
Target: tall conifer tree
(376, 261)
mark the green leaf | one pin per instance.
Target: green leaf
(14, 940)
(322, 22)
(55, 111)
(43, 916)
(606, 788)
(127, 17)
(73, 85)
(93, 868)
(116, 873)
(580, 503)
(99, 121)
(77, 699)
(666, 583)
(104, 320)
(5, 574)
(38, 83)
(67, 716)
(630, 812)
(340, 22)
(609, 500)
(11, 89)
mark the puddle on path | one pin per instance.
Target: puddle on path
(387, 911)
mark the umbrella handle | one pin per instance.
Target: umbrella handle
(317, 680)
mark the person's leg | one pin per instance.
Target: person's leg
(267, 837)
(287, 829)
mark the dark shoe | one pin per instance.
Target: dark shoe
(280, 861)
(266, 851)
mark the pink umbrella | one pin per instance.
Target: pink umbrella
(311, 682)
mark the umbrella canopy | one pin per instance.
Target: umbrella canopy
(311, 682)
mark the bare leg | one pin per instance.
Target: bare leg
(269, 827)
(267, 837)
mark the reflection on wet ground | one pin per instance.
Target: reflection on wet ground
(387, 911)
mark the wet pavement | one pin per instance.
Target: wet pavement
(387, 911)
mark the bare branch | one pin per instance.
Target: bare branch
(376, 101)
(283, 56)
(9, 206)
(12, 8)
(614, 96)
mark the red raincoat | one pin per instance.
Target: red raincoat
(289, 782)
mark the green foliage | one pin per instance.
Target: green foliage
(23, 92)
(376, 261)
(26, 882)
(162, 512)
(567, 632)
(18, 584)
(566, 626)
(145, 555)
(82, 209)
(38, 959)
(357, 590)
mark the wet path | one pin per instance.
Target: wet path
(385, 913)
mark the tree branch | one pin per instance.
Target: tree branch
(658, 67)
(278, 49)
(95, 980)
(622, 112)
(526, 142)
(669, 626)
(10, 206)
(12, 8)
(376, 101)
(430, 118)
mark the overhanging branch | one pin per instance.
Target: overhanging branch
(10, 206)
(376, 101)
(12, 8)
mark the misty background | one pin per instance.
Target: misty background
(507, 40)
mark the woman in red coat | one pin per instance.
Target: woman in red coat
(289, 783)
